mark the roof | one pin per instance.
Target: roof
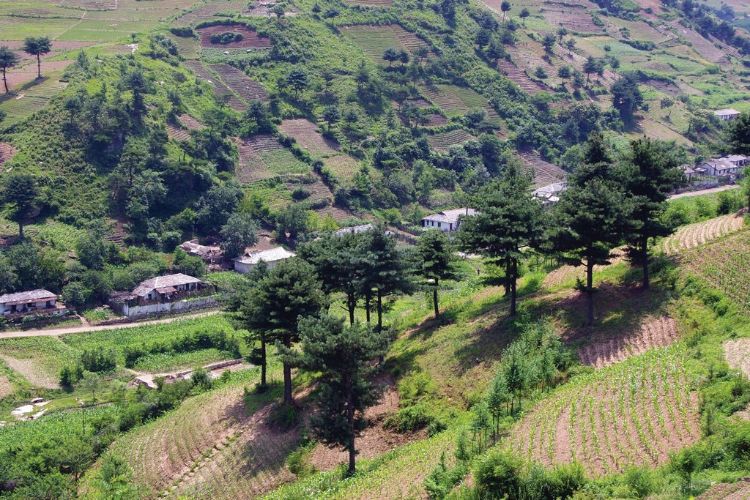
(169, 280)
(736, 158)
(28, 296)
(727, 112)
(354, 229)
(550, 190)
(721, 164)
(200, 250)
(272, 255)
(450, 216)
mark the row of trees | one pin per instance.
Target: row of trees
(34, 46)
(607, 203)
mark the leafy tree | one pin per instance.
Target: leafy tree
(509, 219)
(289, 292)
(37, 46)
(591, 65)
(91, 382)
(76, 295)
(22, 194)
(342, 355)
(8, 276)
(505, 8)
(524, 14)
(651, 173)
(390, 55)
(91, 250)
(292, 224)
(739, 135)
(627, 98)
(548, 42)
(591, 216)
(435, 261)
(385, 269)
(257, 120)
(36, 268)
(192, 265)
(8, 59)
(216, 206)
(114, 479)
(297, 80)
(239, 232)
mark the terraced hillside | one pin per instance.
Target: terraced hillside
(700, 233)
(262, 157)
(632, 413)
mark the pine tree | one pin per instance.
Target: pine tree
(650, 174)
(591, 218)
(289, 292)
(435, 261)
(508, 219)
(342, 355)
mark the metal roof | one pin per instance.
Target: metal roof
(27, 296)
(272, 255)
(170, 280)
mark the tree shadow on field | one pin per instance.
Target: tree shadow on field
(21, 89)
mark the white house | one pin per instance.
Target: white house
(29, 302)
(163, 294)
(728, 166)
(209, 254)
(448, 220)
(271, 257)
(550, 193)
(354, 230)
(726, 115)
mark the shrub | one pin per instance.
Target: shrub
(98, 360)
(640, 481)
(226, 38)
(410, 418)
(498, 475)
(182, 31)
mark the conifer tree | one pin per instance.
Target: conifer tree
(435, 261)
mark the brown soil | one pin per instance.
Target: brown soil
(6, 388)
(251, 166)
(306, 134)
(31, 372)
(220, 89)
(28, 73)
(728, 491)
(6, 153)
(694, 235)
(737, 353)
(182, 132)
(545, 173)
(250, 39)
(606, 350)
(374, 440)
(241, 84)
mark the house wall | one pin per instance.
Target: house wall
(243, 268)
(37, 306)
(442, 226)
(168, 307)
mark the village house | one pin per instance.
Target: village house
(30, 302)
(209, 254)
(271, 257)
(726, 115)
(354, 230)
(550, 194)
(447, 220)
(728, 166)
(161, 294)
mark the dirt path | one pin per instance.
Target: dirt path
(704, 191)
(56, 332)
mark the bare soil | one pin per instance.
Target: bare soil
(307, 136)
(31, 372)
(250, 39)
(6, 388)
(6, 153)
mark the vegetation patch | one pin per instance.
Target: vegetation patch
(235, 36)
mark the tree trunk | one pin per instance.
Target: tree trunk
(5, 80)
(368, 299)
(644, 258)
(351, 303)
(435, 299)
(513, 291)
(508, 272)
(288, 398)
(350, 422)
(39, 65)
(589, 291)
(380, 311)
(20, 230)
(263, 363)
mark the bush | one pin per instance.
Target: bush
(98, 360)
(226, 38)
(411, 418)
(182, 31)
(640, 482)
(498, 475)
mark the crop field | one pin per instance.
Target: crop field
(371, 3)
(262, 157)
(241, 84)
(37, 359)
(737, 353)
(634, 412)
(181, 132)
(307, 136)
(574, 18)
(728, 491)
(456, 101)
(607, 350)
(725, 264)
(374, 40)
(210, 10)
(519, 77)
(250, 39)
(442, 142)
(220, 89)
(700, 233)
(545, 173)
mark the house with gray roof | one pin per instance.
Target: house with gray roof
(168, 293)
(271, 257)
(30, 302)
(447, 220)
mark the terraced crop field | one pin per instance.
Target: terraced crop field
(442, 142)
(725, 264)
(634, 412)
(371, 3)
(456, 101)
(220, 89)
(519, 77)
(262, 157)
(603, 351)
(210, 10)
(250, 39)
(573, 18)
(241, 84)
(700, 233)
(545, 173)
(728, 491)
(374, 40)
(306, 135)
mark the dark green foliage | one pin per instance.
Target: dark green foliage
(292, 224)
(509, 219)
(37, 47)
(739, 135)
(21, 194)
(239, 232)
(216, 206)
(8, 59)
(627, 98)
(343, 356)
(192, 265)
(98, 360)
(36, 267)
(226, 38)
(436, 259)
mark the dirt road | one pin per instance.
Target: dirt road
(56, 332)
(704, 191)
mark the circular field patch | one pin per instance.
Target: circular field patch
(246, 37)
